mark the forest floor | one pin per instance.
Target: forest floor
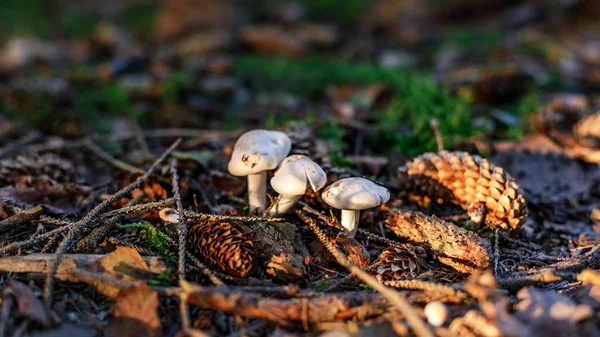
(118, 216)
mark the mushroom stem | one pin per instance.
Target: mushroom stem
(350, 222)
(283, 204)
(257, 192)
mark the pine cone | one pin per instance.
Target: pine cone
(454, 246)
(588, 126)
(395, 263)
(223, 245)
(462, 178)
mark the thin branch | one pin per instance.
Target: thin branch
(431, 287)
(121, 165)
(28, 138)
(212, 277)
(182, 234)
(418, 326)
(76, 228)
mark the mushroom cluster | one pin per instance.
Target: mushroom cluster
(259, 151)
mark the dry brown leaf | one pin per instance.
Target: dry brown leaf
(549, 178)
(135, 313)
(29, 191)
(125, 264)
(28, 305)
(272, 40)
(552, 314)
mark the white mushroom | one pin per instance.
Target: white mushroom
(254, 153)
(291, 179)
(436, 313)
(352, 195)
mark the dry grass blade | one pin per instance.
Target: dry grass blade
(75, 228)
(395, 298)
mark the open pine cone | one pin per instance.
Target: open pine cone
(395, 264)
(588, 126)
(223, 245)
(465, 179)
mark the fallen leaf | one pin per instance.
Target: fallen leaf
(135, 313)
(28, 305)
(125, 264)
(272, 40)
(551, 314)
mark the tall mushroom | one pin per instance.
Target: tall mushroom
(254, 153)
(352, 195)
(291, 179)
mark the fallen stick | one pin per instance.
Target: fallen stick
(396, 299)
(323, 308)
(41, 264)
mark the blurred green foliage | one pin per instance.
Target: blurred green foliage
(404, 125)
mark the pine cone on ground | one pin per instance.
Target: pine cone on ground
(463, 179)
(395, 264)
(588, 126)
(454, 246)
(223, 245)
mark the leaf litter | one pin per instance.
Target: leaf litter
(362, 90)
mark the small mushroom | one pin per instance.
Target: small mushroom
(254, 153)
(352, 195)
(291, 179)
(436, 313)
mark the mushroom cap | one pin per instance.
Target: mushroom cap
(296, 173)
(258, 150)
(355, 194)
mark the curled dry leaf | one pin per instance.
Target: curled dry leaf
(135, 313)
(287, 267)
(355, 252)
(28, 304)
(457, 247)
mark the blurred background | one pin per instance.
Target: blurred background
(376, 70)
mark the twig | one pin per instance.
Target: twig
(121, 165)
(90, 242)
(28, 138)
(419, 328)
(435, 126)
(368, 235)
(437, 288)
(324, 308)
(197, 185)
(496, 251)
(182, 235)
(138, 208)
(41, 263)
(139, 137)
(75, 228)
(212, 277)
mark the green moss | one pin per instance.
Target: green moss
(345, 10)
(523, 109)
(140, 18)
(155, 237)
(404, 124)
